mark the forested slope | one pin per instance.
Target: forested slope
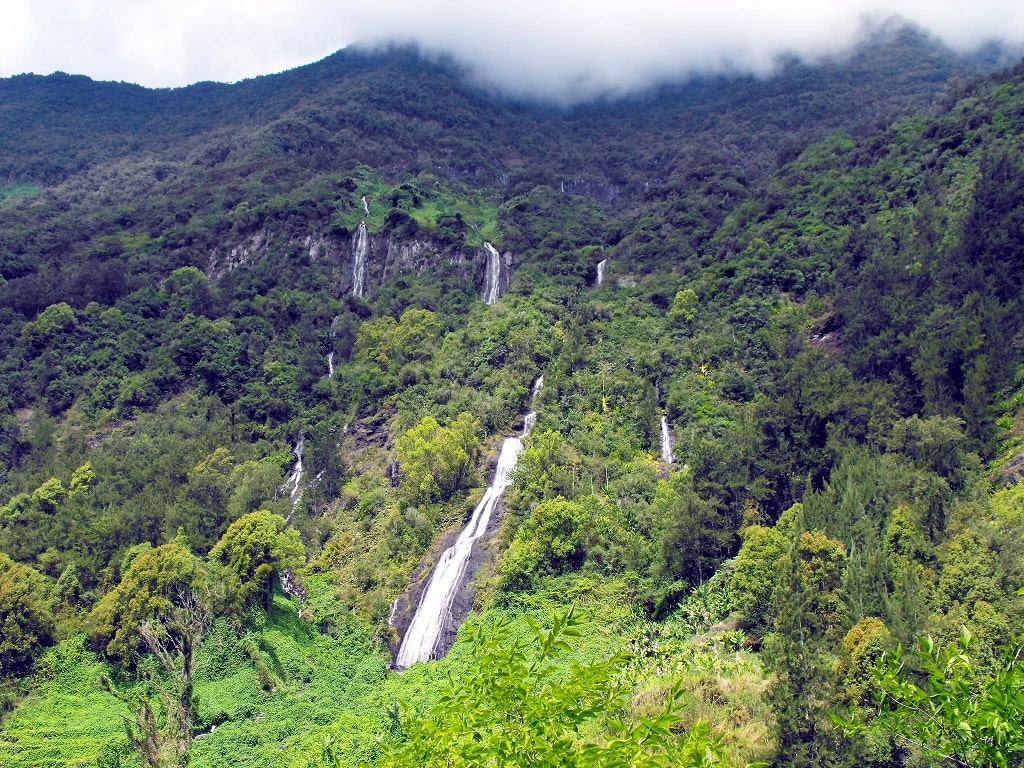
(825, 307)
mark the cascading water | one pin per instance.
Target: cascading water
(366, 206)
(360, 247)
(293, 485)
(666, 441)
(600, 271)
(330, 355)
(492, 276)
(420, 642)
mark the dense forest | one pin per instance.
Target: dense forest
(261, 343)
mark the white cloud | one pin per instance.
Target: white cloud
(554, 48)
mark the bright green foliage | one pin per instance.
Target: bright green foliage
(436, 460)
(684, 307)
(754, 572)
(1008, 503)
(82, 479)
(523, 705)
(862, 648)
(391, 343)
(26, 621)
(253, 549)
(956, 710)
(151, 586)
(553, 540)
(548, 467)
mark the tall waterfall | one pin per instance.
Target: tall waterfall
(666, 441)
(360, 246)
(600, 271)
(293, 485)
(434, 610)
(492, 276)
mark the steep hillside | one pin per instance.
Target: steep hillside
(261, 344)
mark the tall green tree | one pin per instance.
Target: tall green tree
(436, 460)
(26, 617)
(253, 550)
(152, 585)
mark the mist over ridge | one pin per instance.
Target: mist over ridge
(567, 52)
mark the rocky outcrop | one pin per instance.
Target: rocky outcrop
(386, 257)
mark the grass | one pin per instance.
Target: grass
(283, 694)
(69, 720)
(424, 199)
(15, 191)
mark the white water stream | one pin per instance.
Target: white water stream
(600, 271)
(360, 246)
(666, 441)
(293, 485)
(434, 610)
(492, 277)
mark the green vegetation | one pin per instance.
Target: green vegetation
(828, 321)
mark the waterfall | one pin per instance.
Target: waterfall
(666, 441)
(492, 276)
(366, 206)
(330, 355)
(360, 245)
(600, 271)
(420, 642)
(293, 485)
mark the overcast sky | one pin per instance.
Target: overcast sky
(565, 49)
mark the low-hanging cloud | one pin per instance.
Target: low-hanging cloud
(563, 50)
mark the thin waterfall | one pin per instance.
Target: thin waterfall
(366, 206)
(360, 246)
(492, 276)
(600, 271)
(666, 441)
(330, 355)
(293, 485)
(434, 611)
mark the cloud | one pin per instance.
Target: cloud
(576, 49)
(557, 49)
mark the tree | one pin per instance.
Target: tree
(952, 708)
(754, 572)
(809, 611)
(553, 540)
(26, 619)
(252, 550)
(173, 640)
(522, 705)
(436, 460)
(150, 589)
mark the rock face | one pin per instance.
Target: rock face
(381, 257)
